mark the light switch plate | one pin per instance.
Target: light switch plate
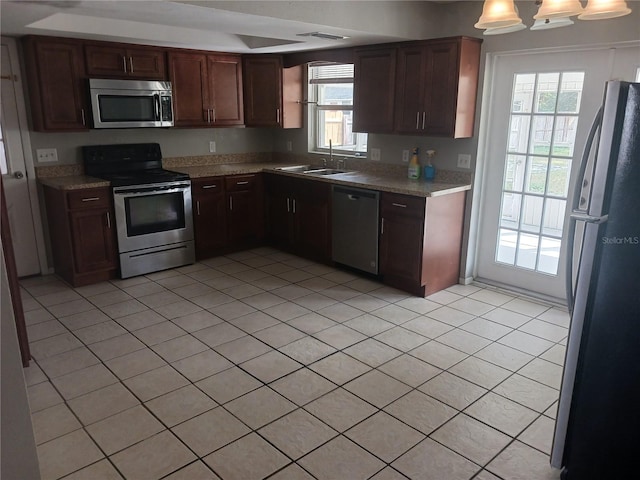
(47, 155)
(289, 145)
(405, 156)
(212, 147)
(375, 154)
(464, 160)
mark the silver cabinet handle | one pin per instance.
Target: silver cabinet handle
(108, 220)
(288, 205)
(382, 227)
(230, 203)
(130, 64)
(18, 175)
(213, 110)
(294, 205)
(401, 205)
(277, 115)
(198, 207)
(83, 119)
(208, 115)
(242, 183)
(424, 117)
(90, 199)
(124, 64)
(205, 187)
(417, 120)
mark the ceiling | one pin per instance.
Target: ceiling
(230, 26)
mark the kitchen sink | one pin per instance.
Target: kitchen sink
(311, 170)
(324, 171)
(296, 168)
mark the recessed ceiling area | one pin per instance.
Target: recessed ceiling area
(276, 26)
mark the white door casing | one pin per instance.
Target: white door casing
(599, 64)
(18, 174)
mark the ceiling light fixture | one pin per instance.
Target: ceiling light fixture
(501, 16)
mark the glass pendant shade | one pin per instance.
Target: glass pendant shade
(498, 13)
(501, 30)
(603, 9)
(548, 23)
(558, 8)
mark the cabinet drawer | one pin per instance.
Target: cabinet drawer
(92, 198)
(236, 183)
(395, 204)
(210, 185)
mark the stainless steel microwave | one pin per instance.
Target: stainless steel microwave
(131, 103)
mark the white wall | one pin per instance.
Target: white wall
(18, 457)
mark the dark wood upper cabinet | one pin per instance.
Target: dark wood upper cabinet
(436, 86)
(125, 61)
(272, 94)
(374, 89)
(207, 89)
(56, 81)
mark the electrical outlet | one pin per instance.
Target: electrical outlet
(375, 154)
(405, 156)
(464, 160)
(289, 145)
(47, 155)
(212, 147)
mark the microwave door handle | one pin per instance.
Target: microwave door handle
(157, 106)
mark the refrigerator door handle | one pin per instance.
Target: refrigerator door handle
(575, 203)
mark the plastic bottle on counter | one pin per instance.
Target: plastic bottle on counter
(414, 165)
(429, 169)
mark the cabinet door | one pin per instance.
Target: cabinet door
(209, 216)
(225, 77)
(146, 63)
(56, 84)
(190, 82)
(92, 235)
(401, 247)
(410, 116)
(440, 88)
(279, 222)
(312, 219)
(374, 88)
(242, 217)
(263, 91)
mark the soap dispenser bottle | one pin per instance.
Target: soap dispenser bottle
(414, 165)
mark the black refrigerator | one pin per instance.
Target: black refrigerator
(597, 431)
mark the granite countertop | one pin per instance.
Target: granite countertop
(358, 179)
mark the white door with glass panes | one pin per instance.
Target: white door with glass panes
(19, 187)
(541, 108)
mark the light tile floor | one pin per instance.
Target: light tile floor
(262, 364)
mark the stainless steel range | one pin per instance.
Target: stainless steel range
(152, 206)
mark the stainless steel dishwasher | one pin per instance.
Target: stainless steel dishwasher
(355, 227)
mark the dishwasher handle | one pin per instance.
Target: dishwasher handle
(353, 197)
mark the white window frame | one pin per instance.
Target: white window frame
(314, 112)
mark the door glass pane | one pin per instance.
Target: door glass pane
(519, 133)
(514, 172)
(506, 250)
(559, 177)
(527, 251)
(536, 175)
(510, 210)
(523, 93)
(543, 124)
(531, 214)
(549, 255)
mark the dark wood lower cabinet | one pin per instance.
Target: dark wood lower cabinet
(298, 216)
(227, 213)
(420, 241)
(83, 234)
(209, 215)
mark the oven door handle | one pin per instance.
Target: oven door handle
(151, 190)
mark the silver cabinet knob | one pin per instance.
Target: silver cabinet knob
(18, 175)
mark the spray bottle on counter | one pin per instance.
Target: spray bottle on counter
(414, 165)
(429, 169)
